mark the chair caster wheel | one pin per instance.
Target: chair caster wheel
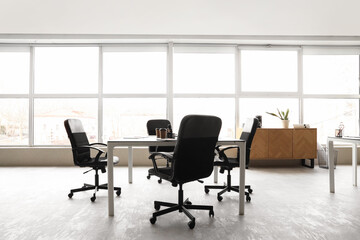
(93, 198)
(219, 198)
(187, 202)
(248, 198)
(191, 224)
(118, 192)
(70, 195)
(160, 180)
(207, 190)
(211, 213)
(148, 176)
(153, 220)
(157, 207)
(250, 190)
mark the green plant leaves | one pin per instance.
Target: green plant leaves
(281, 114)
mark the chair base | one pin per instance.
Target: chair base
(181, 206)
(150, 174)
(228, 188)
(95, 187)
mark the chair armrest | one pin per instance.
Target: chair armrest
(165, 155)
(222, 154)
(101, 144)
(91, 147)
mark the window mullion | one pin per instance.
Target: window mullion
(300, 86)
(100, 97)
(31, 97)
(169, 83)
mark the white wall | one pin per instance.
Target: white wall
(62, 156)
(211, 17)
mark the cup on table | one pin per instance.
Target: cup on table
(157, 131)
(338, 132)
(163, 132)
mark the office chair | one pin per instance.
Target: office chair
(82, 157)
(151, 125)
(193, 159)
(227, 163)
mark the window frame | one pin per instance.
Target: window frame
(169, 95)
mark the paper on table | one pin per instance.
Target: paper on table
(134, 137)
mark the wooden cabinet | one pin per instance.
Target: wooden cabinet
(304, 142)
(261, 144)
(281, 143)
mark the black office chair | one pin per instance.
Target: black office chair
(82, 156)
(227, 163)
(151, 125)
(193, 159)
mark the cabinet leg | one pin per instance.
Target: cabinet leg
(303, 163)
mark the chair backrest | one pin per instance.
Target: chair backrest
(195, 147)
(248, 134)
(151, 125)
(77, 136)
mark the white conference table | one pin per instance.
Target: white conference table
(152, 141)
(330, 145)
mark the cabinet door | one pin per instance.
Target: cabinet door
(260, 145)
(280, 144)
(304, 143)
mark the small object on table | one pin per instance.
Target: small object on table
(157, 131)
(163, 132)
(340, 131)
(169, 132)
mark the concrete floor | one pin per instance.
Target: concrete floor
(287, 203)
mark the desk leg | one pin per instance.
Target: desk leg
(354, 163)
(216, 174)
(130, 163)
(110, 165)
(330, 146)
(242, 178)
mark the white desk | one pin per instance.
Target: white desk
(330, 145)
(152, 141)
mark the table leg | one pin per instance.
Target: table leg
(354, 163)
(215, 174)
(330, 147)
(242, 178)
(130, 163)
(110, 165)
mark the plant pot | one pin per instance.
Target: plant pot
(285, 123)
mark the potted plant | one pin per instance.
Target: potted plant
(284, 117)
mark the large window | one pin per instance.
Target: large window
(331, 90)
(66, 69)
(269, 70)
(14, 70)
(126, 117)
(14, 121)
(14, 102)
(327, 114)
(221, 107)
(116, 89)
(250, 107)
(204, 70)
(135, 70)
(49, 116)
(331, 74)
(209, 72)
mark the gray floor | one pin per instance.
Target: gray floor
(287, 203)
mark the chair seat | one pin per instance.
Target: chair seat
(164, 173)
(233, 162)
(101, 163)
